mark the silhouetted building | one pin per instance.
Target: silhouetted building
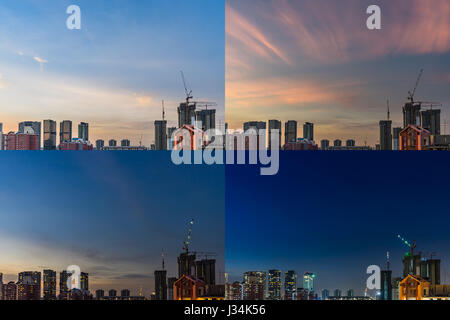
(160, 285)
(430, 269)
(49, 135)
(170, 282)
(207, 118)
(9, 291)
(337, 293)
(125, 143)
(274, 125)
(65, 131)
(396, 138)
(337, 143)
(431, 120)
(84, 281)
(161, 135)
(125, 293)
(256, 127)
(83, 131)
(112, 143)
(308, 131)
(324, 144)
(99, 294)
(186, 264)
(112, 293)
(186, 114)
(99, 144)
(386, 135)
(290, 131)
(350, 143)
(325, 294)
(386, 285)
(411, 114)
(63, 288)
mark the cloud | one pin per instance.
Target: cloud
(143, 100)
(41, 62)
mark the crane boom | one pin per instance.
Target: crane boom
(188, 239)
(411, 246)
(411, 94)
(186, 90)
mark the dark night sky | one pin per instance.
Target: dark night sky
(336, 213)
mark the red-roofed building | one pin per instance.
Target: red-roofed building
(20, 141)
(414, 138)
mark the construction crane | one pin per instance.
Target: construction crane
(163, 111)
(411, 246)
(188, 238)
(388, 111)
(411, 94)
(187, 91)
(162, 255)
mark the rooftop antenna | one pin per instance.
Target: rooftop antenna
(387, 260)
(388, 112)
(163, 111)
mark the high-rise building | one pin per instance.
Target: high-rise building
(254, 286)
(99, 294)
(1, 136)
(125, 293)
(290, 131)
(411, 114)
(337, 293)
(170, 282)
(21, 141)
(386, 135)
(83, 131)
(430, 269)
(206, 271)
(290, 284)
(186, 114)
(35, 125)
(431, 120)
(396, 138)
(65, 131)
(84, 281)
(235, 291)
(112, 143)
(325, 294)
(207, 118)
(186, 264)
(256, 127)
(29, 285)
(274, 285)
(350, 143)
(308, 131)
(49, 135)
(308, 281)
(160, 284)
(49, 282)
(99, 144)
(125, 143)
(350, 293)
(112, 293)
(10, 291)
(63, 288)
(324, 144)
(274, 125)
(386, 285)
(161, 135)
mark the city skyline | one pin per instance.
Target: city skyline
(116, 70)
(336, 215)
(315, 61)
(109, 213)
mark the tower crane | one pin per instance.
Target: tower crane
(411, 246)
(411, 94)
(188, 238)
(187, 91)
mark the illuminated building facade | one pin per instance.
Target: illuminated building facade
(274, 285)
(290, 284)
(254, 285)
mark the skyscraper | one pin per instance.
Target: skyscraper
(125, 293)
(254, 286)
(290, 131)
(63, 288)
(274, 125)
(112, 143)
(186, 264)
(411, 114)
(49, 284)
(350, 143)
(161, 135)
(255, 126)
(386, 135)
(396, 138)
(350, 293)
(308, 131)
(206, 270)
(125, 143)
(10, 291)
(274, 285)
(170, 282)
(49, 135)
(35, 125)
(431, 120)
(337, 293)
(324, 144)
(84, 281)
(308, 281)
(170, 141)
(386, 285)
(337, 143)
(290, 284)
(99, 144)
(99, 294)
(65, 131)
(207, 118)
(160, 285)
(29, 285)
(325, 294)
(112, 293)
(430, 269)
(83, 131)
(186, 114)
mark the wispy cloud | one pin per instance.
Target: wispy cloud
(41, 62)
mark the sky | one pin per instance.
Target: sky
(316, 61)
(110, 213)
(115, 71)
(335, 214)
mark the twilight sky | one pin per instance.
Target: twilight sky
(114, 72)
(109, 213)
(335, 214)
(316, 61)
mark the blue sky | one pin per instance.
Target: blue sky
(337, 213)
(110, 213)
(114, 72)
